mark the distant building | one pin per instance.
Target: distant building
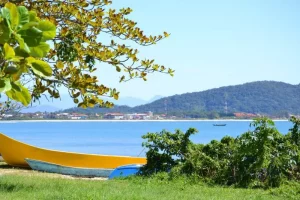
(163, 116)
(150, 114)
(38, 115)
(244, 115)
(7, 115)
(139, 116)
(78, 116)
(62, 116)
(117, 116)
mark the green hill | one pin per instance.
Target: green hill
(262, 97)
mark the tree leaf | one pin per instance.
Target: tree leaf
(5, 85)
(23, 45)
(116, 96)
(166, 34)
(32, 16)
(23, 15)
(5, 13)
(8, 52)
(48, 29)
(32, 37)
(16, 59)
(5, 33)
(29, 25)
(39, 51)
(118, 68)
(30, 60)
(41, 68)
(22, 96)
(16, 86)
(14, 15)
(59, 65)
(11, 70)
(21, 53)
(21, 70)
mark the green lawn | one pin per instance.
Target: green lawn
(37, 186)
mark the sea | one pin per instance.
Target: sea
(117, 137)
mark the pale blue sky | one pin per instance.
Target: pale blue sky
(214, 43)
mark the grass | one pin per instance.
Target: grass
(33, 185)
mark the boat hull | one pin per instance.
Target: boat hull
(15, 152)
(219, 124)
(73, 171)
(125, 171)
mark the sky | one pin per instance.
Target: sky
(213, 43)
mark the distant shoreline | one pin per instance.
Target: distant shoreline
(167, 120)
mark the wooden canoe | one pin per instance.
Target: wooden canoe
(15, 152)
(73, 171)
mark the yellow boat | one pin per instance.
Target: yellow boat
(15, 152)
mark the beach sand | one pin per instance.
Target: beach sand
(5, 169)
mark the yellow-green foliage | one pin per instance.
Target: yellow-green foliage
(23, 44)
(77, 50)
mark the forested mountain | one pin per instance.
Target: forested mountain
(263, 97)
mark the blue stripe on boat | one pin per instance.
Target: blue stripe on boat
(74, 171)
(124, 171)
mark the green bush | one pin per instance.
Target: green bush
(260, 158)
(166, 150)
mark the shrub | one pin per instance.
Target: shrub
(260, 158)
(166, 150)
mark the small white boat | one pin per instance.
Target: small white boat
(219, 124)
(73, 171)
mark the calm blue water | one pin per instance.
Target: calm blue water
(115, 138)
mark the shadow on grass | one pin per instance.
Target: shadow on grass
(4, 165)
(14, 187)
(8, 187)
